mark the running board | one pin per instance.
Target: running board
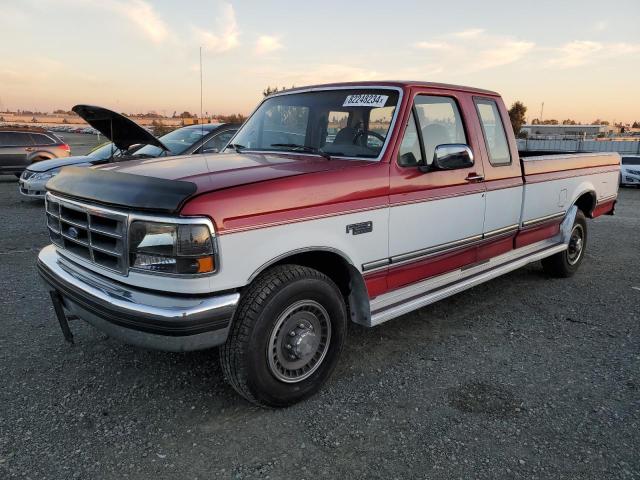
(433, 290)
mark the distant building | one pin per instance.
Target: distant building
(566, 130)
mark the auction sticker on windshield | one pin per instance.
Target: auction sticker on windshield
(365, 100)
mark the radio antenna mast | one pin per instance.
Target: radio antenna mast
(201, 119)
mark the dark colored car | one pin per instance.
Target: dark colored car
(21, 147)
(130, 141)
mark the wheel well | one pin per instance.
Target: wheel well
(348, 279)
(586, 202)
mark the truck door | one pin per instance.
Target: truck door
(503, 178)
(436, 216)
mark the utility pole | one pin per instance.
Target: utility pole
(541, 112)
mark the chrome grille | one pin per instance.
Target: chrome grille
(92, 233)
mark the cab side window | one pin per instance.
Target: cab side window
(218, 142)
(440, 123)
(15, 139)
(39, 139)
(494, 134)
(410, 154)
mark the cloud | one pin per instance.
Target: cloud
(312, 74)
(508, 52)
(432, 45)
(470, 33)
(583, 52)
(267, 44)
(227, 35)
(143, 16)
(473, 50)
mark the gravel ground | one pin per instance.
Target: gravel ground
(522, 377)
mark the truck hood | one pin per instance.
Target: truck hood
(46, 165)
(226, 170)
(117, 128)
(166, 184)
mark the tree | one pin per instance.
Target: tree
(568, 121)
(270, 91)
(597, 121)
(517, 114)
(234, 118)
(635, 125)
(185, 115)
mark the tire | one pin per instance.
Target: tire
(566, 263)
(271, 315)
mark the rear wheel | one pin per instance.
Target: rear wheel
(566, 263)
(286, 337)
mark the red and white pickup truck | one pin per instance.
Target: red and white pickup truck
(348, 202)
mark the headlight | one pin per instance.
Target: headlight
(171, 248)
(45, 175)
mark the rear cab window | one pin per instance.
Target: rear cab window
(494, 133)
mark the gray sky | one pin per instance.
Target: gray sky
(582, 58)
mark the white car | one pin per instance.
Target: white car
(630, 170)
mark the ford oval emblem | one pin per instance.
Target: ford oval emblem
(73, 232)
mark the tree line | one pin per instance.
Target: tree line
(518, 111)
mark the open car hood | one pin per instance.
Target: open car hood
(117, 128)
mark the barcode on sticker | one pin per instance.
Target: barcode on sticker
(365, 100)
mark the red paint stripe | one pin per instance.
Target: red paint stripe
(603, 208)
(537, 233)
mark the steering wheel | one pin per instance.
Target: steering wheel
(366, 133)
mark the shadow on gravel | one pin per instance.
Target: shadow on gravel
(478, 397)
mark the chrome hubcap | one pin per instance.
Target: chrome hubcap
(299, 341)
(576, 244)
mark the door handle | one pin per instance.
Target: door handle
(474, 178)
(29, 149)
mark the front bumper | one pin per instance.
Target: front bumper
(139, 317)
(32, 188)
(629, 179)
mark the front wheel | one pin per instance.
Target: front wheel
(565, 264)
(286, 337)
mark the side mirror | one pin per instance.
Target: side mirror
(452, 156)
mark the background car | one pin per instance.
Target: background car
(129, 141)
(34, 178)
(21, 147)
(630, 170)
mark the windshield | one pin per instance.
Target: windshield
(341, 123)
(103, 152)
(177, 141)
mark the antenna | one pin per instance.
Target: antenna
(201, 119)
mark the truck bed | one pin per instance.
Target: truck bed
(536, 165)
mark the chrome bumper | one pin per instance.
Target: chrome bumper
(148, 319)
(32, 189)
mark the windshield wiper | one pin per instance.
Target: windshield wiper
(303, 148)
(237, 147)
